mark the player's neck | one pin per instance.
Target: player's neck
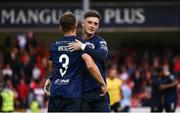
(87, 36)
(70, 33)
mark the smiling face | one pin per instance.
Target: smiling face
(90, 25)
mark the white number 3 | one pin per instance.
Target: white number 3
(64, 64)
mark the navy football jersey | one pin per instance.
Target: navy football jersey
(170, 94)
(67, 78)
(96, 48)
(156, 93)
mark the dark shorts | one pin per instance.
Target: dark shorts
(93, 102)
(170, 107)
(64, 104)
(116, 107)
(156, 105)
(157, 108)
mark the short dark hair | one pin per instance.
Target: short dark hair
(67, 21)
(92, 13)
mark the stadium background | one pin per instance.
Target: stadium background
(139, 34)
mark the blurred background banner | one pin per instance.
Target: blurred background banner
(115, 15)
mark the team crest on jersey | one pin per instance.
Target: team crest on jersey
(58, 42)
(103, 45)
(90, 45)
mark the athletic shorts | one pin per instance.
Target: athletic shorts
(170, 107)
(93, 102)
(64, 104)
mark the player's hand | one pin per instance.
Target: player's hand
(47, 86)
(162, 87)
(178, 86)
(104, 90)
(77, 45)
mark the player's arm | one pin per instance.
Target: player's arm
(49, 72)
(48, 80)
(166, 86)
(100, 53)
(93, 69)
(173, 83)
(178, 86)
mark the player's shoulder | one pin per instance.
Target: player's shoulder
(64, 40)
(100, 38)
(79, 38)
(53, 45)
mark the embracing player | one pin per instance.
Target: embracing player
(65, 84)
(95, 46)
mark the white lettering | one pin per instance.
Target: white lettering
(119, 17)
(109, 14)
(124, 16)
(21, 17)
(55, 16)
(32, 16)
(44, 16)
(5, 16)
(51, 16)
(129, 16)
(140, 18)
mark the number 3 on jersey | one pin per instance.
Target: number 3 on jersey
(64, 59)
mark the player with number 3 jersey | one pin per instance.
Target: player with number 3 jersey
(66, 81)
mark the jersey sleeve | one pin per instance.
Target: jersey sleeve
(166, 80)
(100, 53)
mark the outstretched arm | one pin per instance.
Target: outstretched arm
(93, 69)
(166, 86)
(100, 53)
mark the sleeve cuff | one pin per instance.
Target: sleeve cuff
(83, 47)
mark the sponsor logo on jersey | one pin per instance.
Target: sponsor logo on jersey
(62, 81)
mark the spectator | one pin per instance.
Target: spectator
(114, 89)
(8, 97)
(36, 72)
(39, 95)
(126, 94)
(23, 91)
(1, 98)
(177, 66)
(7, 70)
(22, 41)
(138, 81)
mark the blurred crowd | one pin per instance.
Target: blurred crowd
(24, 61)
(23, 65)
(134, 65)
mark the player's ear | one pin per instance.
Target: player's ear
(76, 25)
(82, 23)
(60, 28)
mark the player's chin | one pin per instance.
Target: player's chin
(91, 32)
